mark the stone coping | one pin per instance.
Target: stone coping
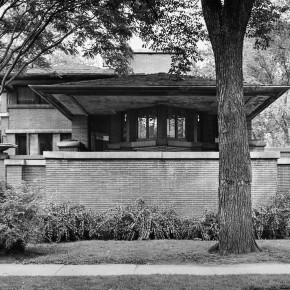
(24, 162)
(279, 149)
(149, 155)
(37, 131)
(284, 161)
(30, 157)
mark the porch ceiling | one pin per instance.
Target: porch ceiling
(105, 97)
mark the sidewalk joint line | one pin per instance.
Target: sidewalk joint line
(62, 265)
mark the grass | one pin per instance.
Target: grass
(160, 282)
(145, 252)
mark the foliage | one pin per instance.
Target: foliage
(272, 219)
(66, 222)
(138, 221)
(33, 29)
(271, 67)
(18, 217)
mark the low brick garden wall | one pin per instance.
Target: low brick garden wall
(188, 181)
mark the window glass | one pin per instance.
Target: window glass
(152, 124)
(170, 124)
(25, 95)
(45, 142)
(124, 120)
(65, 136)
(21, 142)
(142, 125)
(180, 117)
(176, 123)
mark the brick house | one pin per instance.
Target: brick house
(153, 136)
(30, 122)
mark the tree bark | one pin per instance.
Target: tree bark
(226, 23)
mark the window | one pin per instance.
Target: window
(45, 142)
(175, 123)
(26, 96)
(124, 120)
(147, 124)
(21, 142)
(65, 136)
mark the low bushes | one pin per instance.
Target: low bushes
(24, 219)
(272, 219)
(18, 217)
(138, 221)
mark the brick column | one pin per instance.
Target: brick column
(14, 171)
(80, 130)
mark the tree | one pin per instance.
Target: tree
(272, 66)
(174, 26)
(227, 24)
(32, 29)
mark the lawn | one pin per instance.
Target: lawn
(171, 282)
(145, 252)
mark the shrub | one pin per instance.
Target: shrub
(204, 228)
(139, 221)
(18, 216)
(66, 222)
(272, 219)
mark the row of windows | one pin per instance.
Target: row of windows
(26, 96)
(148, 122)
(45, 142)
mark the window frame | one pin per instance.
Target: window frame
(175, 113)
(148, 112)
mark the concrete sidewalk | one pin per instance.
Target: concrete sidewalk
(129, 269)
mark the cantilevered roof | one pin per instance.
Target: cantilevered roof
(61, 74)
(108, 96)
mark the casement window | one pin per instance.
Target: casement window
(21, 142)
(124, 127)
(176, 123)
(65, 136)
(26, 96)
(45, 143)
(147, 123)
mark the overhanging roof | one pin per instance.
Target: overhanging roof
(107, 96)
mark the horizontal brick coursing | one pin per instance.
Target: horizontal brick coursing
(2, 170)
(264, 179)
(190, 186)
(14, 175)
(34, 175)
(284, 177)
(37, 119)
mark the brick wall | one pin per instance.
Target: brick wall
(37, 119)
(149, 63)
(264, 179)
(34, 175)
(284, 177)
(283, 167)
(189, 185)
(31, 170)
(14, 175)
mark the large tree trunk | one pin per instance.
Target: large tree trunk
(226, 29)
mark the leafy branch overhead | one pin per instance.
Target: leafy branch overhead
(31, 29)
